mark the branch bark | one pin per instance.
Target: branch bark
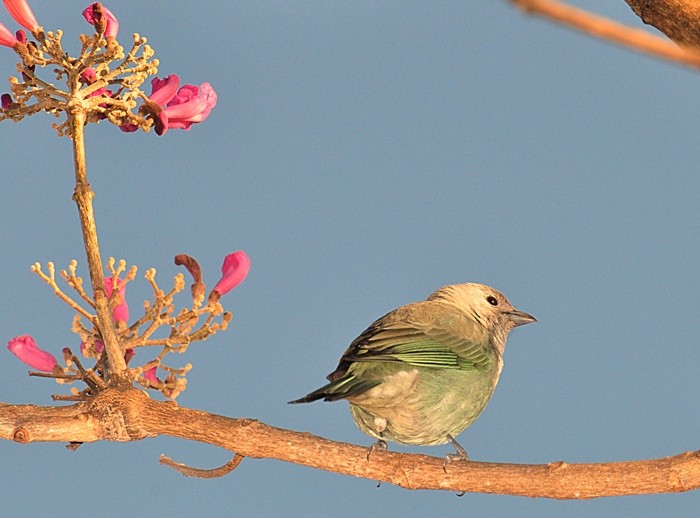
(677, 19)
(127, 414)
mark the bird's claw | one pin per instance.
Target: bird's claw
(459, 455)
(379, 445)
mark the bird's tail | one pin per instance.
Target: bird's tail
(339, 389)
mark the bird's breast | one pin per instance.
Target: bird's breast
(418, 405)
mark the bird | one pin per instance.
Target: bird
(424, 372)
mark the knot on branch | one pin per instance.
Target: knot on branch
(118, 411)
(21, 435)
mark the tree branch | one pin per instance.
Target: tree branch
(83, 196)
(608, 30)
(126, 414)
(677, 19)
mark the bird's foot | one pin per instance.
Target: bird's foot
(379, 445)
(459, 455)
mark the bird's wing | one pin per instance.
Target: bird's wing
(427, 334)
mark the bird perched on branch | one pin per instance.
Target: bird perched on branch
(424, 372)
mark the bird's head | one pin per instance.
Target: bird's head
(486, 305)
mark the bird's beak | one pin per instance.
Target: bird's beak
(520, 318)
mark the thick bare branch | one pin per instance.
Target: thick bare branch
(124, 414)
(677, 19)
(610, 30)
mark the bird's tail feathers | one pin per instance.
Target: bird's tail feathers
(339, 389)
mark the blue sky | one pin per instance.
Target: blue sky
(365, 154)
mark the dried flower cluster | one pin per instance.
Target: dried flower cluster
(201, 319)
(102, 81)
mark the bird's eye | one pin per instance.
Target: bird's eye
(492, 300)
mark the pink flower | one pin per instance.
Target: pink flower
(128, 128)
(181, 108)
(176, 109)
(90, 13)
(25, 348)
(128, 355)
(191, 105)
(150, 375)
(22, 13)
(121, 308)
(7, 39)
(88, 76)
(163, 90)
(119, 313)
(235, 268)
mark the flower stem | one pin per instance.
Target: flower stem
(83, 198)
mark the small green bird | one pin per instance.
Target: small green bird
(424, 372)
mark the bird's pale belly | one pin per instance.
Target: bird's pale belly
(422, 405)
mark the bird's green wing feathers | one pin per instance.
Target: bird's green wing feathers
(427, 334)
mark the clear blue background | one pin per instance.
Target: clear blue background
(364, 154)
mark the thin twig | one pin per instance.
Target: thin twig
(76, 282)
(189, 471)
(56, 376)
(51, 281)
(91, 379)
(63, 397)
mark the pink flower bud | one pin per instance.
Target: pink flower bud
(112, 27)
(128, 355)
(88, 76)
(22, 13)
(235, 268)
(121, 308)
(150, 375)
(7, 39)
(25, 348)
(191, 264)
(128, 128)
